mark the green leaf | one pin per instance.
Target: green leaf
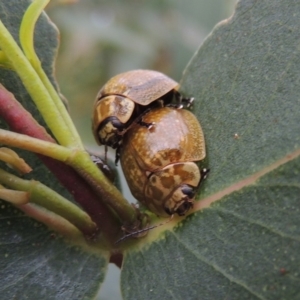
(34, 263)
(245, 243)
(37, 264)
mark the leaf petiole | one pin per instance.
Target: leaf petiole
(40, 194)
(37, 90)
(27, 42)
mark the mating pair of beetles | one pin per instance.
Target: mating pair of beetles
(142, 115)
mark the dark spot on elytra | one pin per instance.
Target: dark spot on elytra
(153, 179)
(184, 175)
(173, 155)
(155, 192)
(167, 181)
(157, 161)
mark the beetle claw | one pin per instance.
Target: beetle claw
(182, 101)
(188, 101)
(151, 125)
(145, 124)
(175, 105)
(117, 158)
(204, 173)
(103, 166)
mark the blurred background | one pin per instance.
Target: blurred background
(101, 38)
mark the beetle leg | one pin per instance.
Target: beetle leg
(117, 158)
(145, 124)
(188, 101)
(139, 119)
(105, 153)
(204, 173)
(175, 105)
(139, 228)
(103, 166)
(137, 234)
(182, 101)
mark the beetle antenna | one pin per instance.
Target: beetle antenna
(125, 237)
(105, 153)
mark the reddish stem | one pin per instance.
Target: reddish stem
(117, 259)
(21, 121)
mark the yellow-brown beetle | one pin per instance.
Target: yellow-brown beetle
(127, 96)
(159, 163)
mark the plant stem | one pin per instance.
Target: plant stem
(27, 42)
(12, 158)
(20, 120)
(4, 62)
(37, 90)
(53, 221)
(14, 197)
(110, 195)
(27, 31)
(81, 162)
(26, 142)
(47, 198)
(79, 159)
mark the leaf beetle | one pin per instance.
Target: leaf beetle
(160, 163)
(126, 97)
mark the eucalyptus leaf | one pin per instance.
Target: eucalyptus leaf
(246, 243)
(38, 264)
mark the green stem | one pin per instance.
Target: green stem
(14, 197)
(110, 194)
(53, 221)
(27, 30)
(26, 142)
(37, 90)
(49, 199)
(60, 124)
(81, 162)
(27, 42)
(4, 62)
(12, 158)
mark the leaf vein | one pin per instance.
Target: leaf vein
(282, 234)
(219, 270)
